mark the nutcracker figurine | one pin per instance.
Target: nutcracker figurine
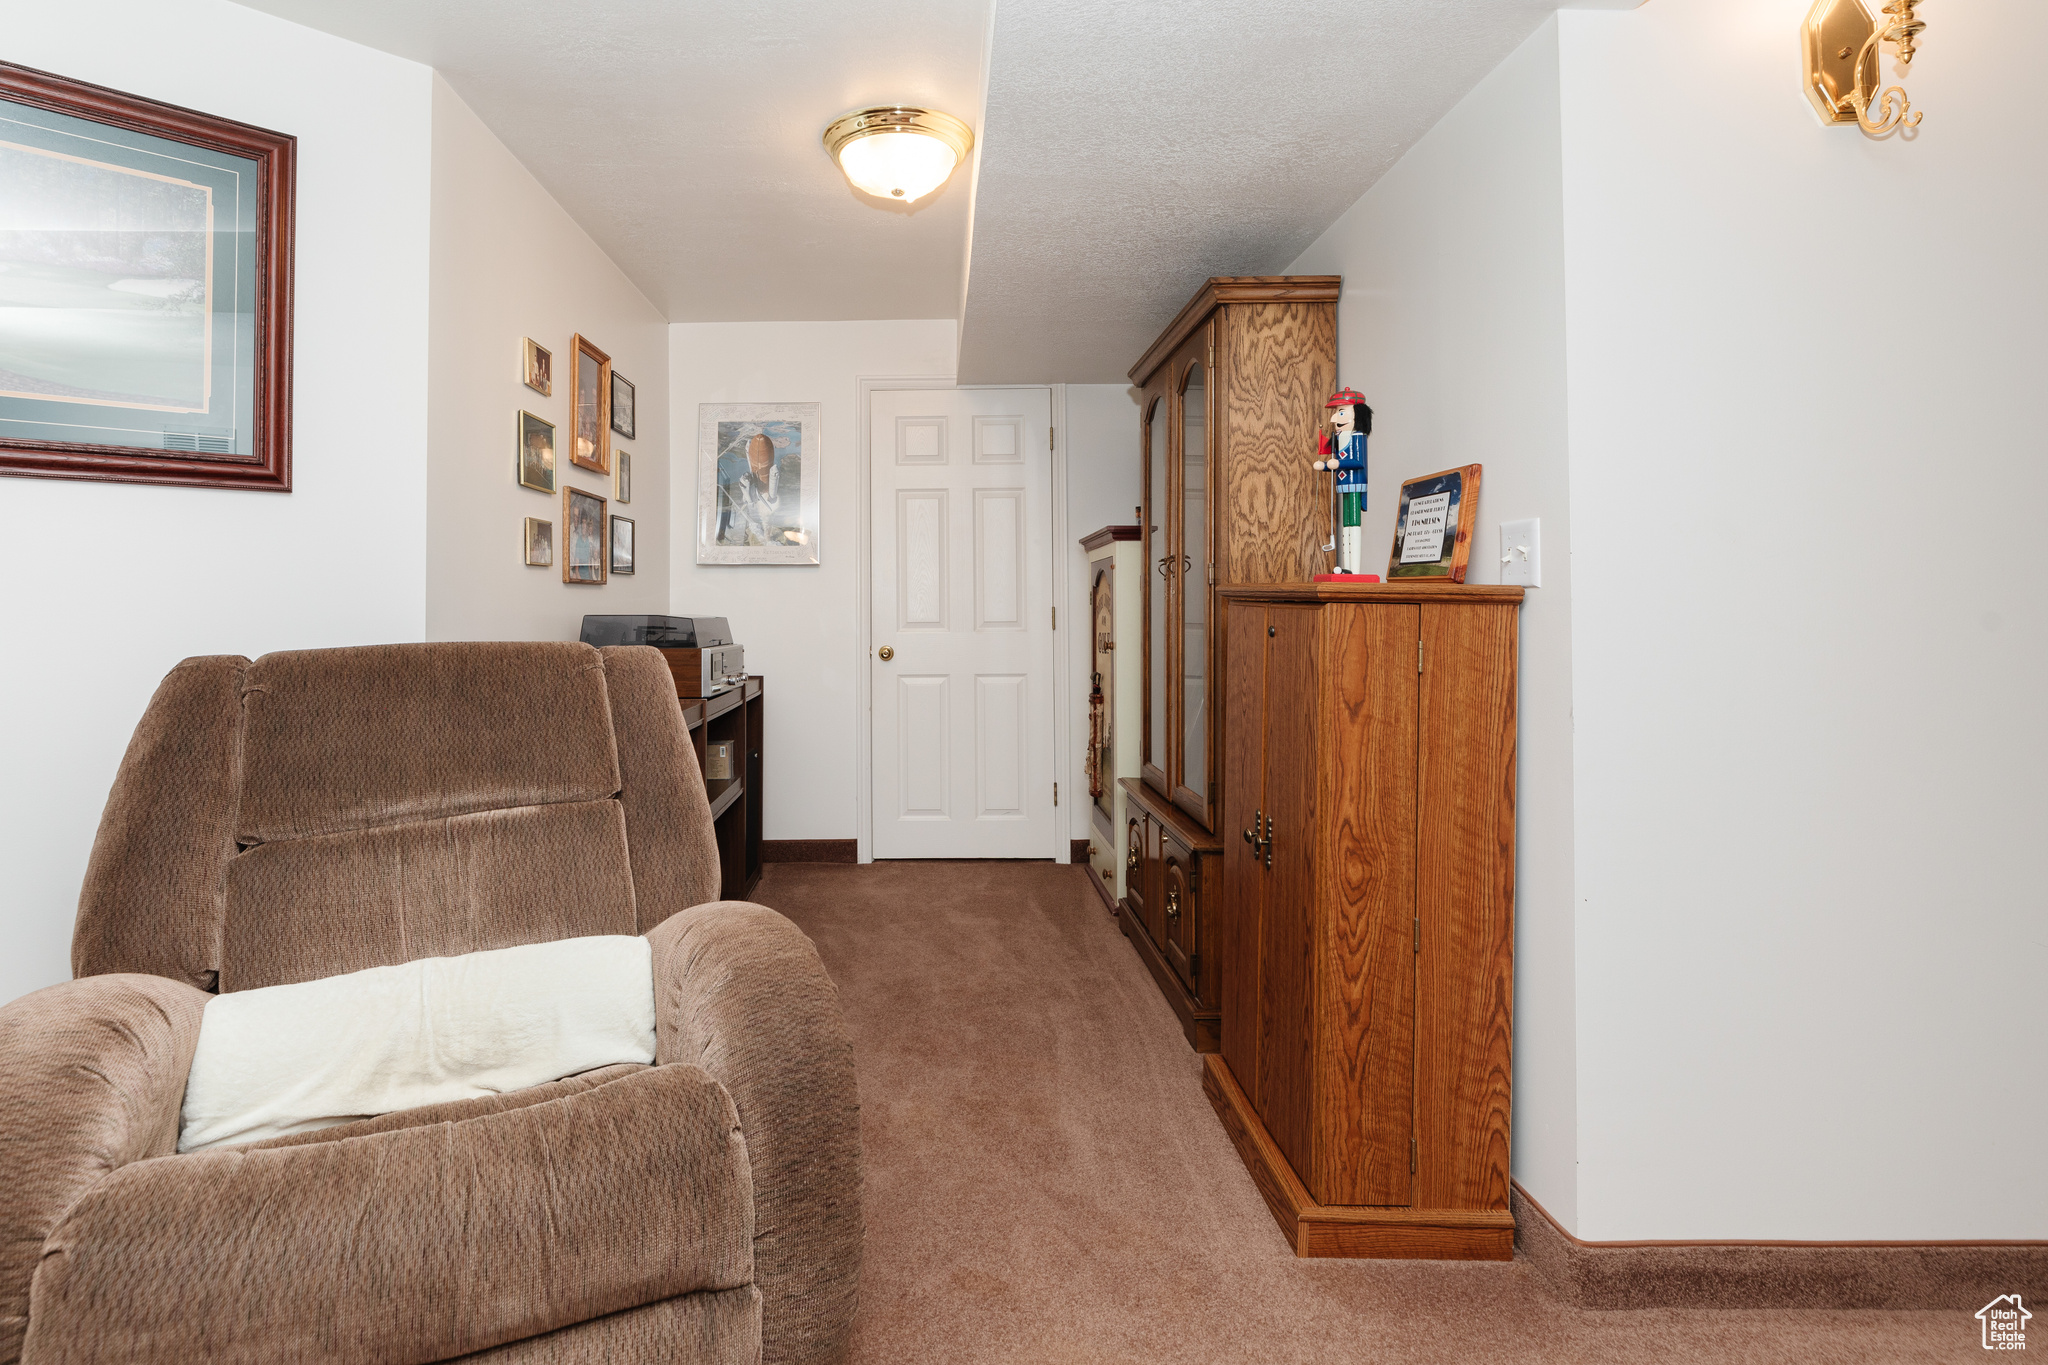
(1343, 452)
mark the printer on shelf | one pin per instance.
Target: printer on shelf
(699, 649)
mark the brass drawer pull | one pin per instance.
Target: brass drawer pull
(1173, 902)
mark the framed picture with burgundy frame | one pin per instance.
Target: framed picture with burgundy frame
(146, 268)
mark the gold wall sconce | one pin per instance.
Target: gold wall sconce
(1841, 41)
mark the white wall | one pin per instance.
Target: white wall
(509, 263)
(1780, 868)
(1452, 325)
(1100, 447)
(110, 585)
(798, 623)
(1810, 804)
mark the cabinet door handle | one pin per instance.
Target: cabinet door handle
(1173, 902)
(1260, 836)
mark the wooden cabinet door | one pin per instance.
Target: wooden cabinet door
(1364, 1082)
(1194, 518)
(1154, 918)
(1177, 906)
(1134, 866)
(1156, 583)
(1242, 904)
(1287, 939)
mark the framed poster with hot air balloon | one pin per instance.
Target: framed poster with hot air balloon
(758, 471)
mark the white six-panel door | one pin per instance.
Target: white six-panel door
(961, 714)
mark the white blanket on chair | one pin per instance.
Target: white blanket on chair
(286, 1059)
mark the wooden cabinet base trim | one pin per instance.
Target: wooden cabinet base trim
(1109, 901)
(1318, 1230)
(1203, 1027)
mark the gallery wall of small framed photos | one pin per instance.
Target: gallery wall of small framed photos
(600, 412)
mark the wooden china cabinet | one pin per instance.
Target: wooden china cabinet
(1231, 408)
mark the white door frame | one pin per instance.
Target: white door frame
(863, 636)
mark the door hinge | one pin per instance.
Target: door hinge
(1413, 1152)
(1056, 799)
(1418, 933)
(1212, 355)
(1052, 438)
(1418, 656)
(1055, 618)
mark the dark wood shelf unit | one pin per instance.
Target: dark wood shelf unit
(756, 808)
(722, 802)
(735, 716)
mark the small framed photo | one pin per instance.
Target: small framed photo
(583, 558)
(622, 545)
(1433, 526)
(536, 453)
(590, 384)
(625, 474)
(538, 372)
(540, 543)
(622, 406)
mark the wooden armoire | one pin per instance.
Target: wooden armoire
(1231, 406)
(1369, 780)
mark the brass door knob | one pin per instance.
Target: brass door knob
(887, 653)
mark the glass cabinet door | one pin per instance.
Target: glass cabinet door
(1193, 567)
(1158, 579)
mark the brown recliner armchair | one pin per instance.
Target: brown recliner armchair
(325, 811)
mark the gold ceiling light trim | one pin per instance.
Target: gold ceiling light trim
(1841, 42)
(898, 151)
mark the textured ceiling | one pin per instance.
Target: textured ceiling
(684, 137)
(1130, 151)
(1126, 151)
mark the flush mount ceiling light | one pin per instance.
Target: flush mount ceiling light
(899, 153)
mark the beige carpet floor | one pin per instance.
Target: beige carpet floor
(1046, 1182)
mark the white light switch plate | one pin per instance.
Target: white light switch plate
(1521, 553)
